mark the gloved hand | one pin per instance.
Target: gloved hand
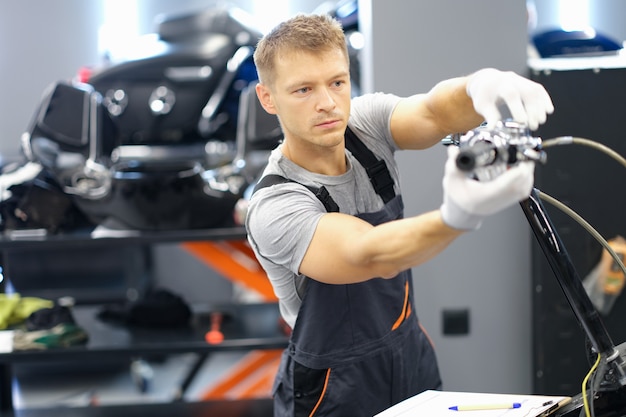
(466, 202)
(528, 102)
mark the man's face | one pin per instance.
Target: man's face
(311, 96)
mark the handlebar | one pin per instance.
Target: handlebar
(487, 151)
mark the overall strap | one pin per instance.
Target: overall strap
(376, 169)
(321, 193)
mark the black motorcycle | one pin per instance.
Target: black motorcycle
(165, 139)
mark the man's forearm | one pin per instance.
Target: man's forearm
(452, 108)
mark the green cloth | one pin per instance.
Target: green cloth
(15, 309)
(61, 335)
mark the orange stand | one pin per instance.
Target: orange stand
(235, 260)
(253, 375)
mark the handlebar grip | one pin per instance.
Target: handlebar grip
(479, 154)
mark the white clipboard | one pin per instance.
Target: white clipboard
(442, 403)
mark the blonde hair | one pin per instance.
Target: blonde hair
(303, 33)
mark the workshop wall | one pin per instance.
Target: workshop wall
(40, 42)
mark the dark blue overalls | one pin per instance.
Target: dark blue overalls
(356, 349)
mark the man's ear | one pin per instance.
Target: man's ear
(265, 98)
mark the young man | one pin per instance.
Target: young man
(334, 243)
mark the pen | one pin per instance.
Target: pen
(475, 407)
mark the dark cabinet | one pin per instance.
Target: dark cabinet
(590, 103)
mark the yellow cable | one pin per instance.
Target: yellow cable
(567, 140)
(584, 387)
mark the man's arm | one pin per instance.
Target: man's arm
(460, 104)
(422, 120)
(346, 249)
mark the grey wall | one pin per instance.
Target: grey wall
(414, 44)
(40, 42)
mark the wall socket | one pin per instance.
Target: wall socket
(456, 322)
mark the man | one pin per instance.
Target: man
(334, 243)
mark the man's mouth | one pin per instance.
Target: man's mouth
(328, 123)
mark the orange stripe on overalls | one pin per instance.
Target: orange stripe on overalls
(404, 307)
(322, 394)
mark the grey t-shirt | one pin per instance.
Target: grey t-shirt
(282, 218)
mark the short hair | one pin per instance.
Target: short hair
(313, 33)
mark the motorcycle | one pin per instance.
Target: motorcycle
(170, 137)
(165, 139)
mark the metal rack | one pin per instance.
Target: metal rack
(245, 326)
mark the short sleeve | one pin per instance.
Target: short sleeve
(281, 222)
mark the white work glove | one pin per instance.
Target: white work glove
(466, 201)
(528, 102)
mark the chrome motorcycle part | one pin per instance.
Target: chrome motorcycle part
(487, 151)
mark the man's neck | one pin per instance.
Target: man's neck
(325, 161)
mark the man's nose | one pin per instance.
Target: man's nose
(325, 100)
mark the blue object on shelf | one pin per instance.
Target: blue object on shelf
(558, 42)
